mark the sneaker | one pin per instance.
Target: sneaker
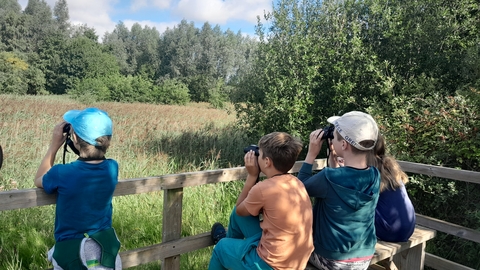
(218, 232)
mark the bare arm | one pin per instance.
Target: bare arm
(314, 146)
(58, 138)
(251, 164)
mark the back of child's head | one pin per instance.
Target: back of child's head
(282, 148)
(93, 129)
(359, 129)
(392, 175)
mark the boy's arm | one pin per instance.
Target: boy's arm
(251, 164)
(58, 138)
(314, 146)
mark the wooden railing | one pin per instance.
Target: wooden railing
(173, 245)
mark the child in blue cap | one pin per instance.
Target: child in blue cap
(84, 237)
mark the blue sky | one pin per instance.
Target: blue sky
(103, 15)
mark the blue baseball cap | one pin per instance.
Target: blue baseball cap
(90, 124)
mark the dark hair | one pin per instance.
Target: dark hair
(392, 175)
(94, 151)
(282, 148)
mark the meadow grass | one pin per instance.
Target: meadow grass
(148, 140)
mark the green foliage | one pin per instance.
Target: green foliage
(431, 37)
(12, 70)
(441, 130)
(203, 88)
(83, 58)
(60, 12)
(199, 87)
(19, 77)
(12, 29)
(311, 63)
(112, 88)
(39, 23)
(136, 50)
(130, 89)
(171, 91)
(218, 96)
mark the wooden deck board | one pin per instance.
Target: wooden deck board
(385, 250)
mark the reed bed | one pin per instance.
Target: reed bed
(148, 140)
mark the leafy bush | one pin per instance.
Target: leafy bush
(17, 76)
(130, 89)
(171, 91)
(441, 130)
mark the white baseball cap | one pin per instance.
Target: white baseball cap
(356, 127)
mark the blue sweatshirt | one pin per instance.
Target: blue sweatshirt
(394, 216)
(344, 210)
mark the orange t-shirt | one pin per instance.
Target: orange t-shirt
(287, 240)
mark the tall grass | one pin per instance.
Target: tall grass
(148, 140)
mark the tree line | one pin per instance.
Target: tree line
(43, 53)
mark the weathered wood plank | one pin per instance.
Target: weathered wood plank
(376, 267)
(409, 253)
(442, 172)
(26, 198)
(439, 263)
(412, 258)
(384, 250)
(450, 228)
(161, 251)
(172, 224)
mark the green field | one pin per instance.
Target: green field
(148, 140)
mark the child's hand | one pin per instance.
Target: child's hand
(251, 163)
(58, 137)
(315, 145)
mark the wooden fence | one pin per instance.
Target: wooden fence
(173, 245)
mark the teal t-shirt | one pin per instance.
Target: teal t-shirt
(84, 197)
(344, 210)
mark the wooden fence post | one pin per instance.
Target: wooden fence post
(172, 223)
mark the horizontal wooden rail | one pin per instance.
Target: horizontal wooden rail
(442, 172)
(26, 198)
(449, 228)
(164, 250)
(440, 263)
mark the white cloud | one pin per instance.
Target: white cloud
(142, 4)
(161, 4)
(138, 4)
(220, 12)
(93, 13)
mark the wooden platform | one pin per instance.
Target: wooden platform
(408, 255)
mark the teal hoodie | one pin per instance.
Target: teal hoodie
(344, 210)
